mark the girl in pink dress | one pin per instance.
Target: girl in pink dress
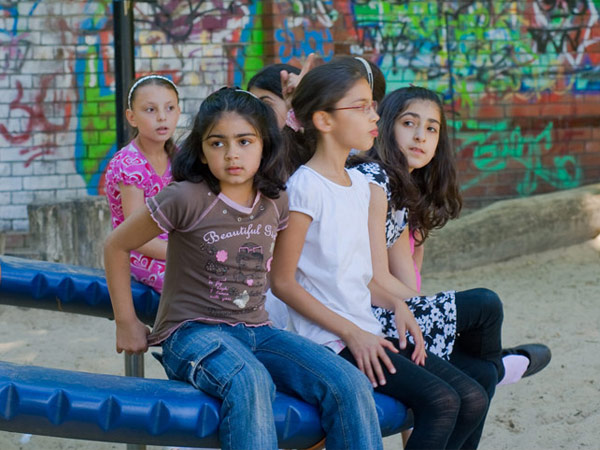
(143, 167)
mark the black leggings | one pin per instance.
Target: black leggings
(448, 406)
(478, 345)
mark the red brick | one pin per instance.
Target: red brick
(588, 109)
(557, 110)
(523, 111)
(502, 190)
(592, 146)
(589, 159)
(476, 191)
(489, 112)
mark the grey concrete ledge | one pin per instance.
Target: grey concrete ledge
(71, 231)
(516, 227)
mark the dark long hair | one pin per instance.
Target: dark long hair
(269, 78)
(431, 193)
(153, 80)
(319, 90)
(188, 165)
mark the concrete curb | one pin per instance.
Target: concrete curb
(511, 228)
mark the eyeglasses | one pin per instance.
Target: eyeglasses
(366, 109)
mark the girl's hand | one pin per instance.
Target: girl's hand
(405, 321)
(368, 349)
(289, 81)
(132, 337)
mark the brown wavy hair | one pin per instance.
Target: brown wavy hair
(431, 193)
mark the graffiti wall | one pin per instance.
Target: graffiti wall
(520, 80)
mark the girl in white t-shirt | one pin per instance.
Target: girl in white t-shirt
(322, 262)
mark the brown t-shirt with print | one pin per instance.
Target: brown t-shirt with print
(218, 256)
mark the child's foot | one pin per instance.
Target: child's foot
(523, 361)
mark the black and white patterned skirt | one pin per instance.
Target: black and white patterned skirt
(436, 316)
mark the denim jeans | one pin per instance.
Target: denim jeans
(243, 366)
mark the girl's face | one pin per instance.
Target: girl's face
(155, 112)
(417, 132)
(232, 148)
(275, 102)
(355, 117)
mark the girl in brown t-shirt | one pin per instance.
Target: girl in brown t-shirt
(223, 213)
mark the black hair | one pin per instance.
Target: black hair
(269, 78)
(319, 90)
(431, 193)
(153, 80)
(188, 165)
(379, 84)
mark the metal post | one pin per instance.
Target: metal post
(134, 367)
(124, 63)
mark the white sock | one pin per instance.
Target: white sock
(514, 368)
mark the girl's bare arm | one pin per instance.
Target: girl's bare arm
(137, 229)
(366, 348)
(388, 291)
(132, 198)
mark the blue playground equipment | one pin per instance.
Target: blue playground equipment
(139, 412)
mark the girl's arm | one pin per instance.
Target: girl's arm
(388, 291)
(366, 347)
(132, 198)
(401, 263)
(138, 229)
(418, 255)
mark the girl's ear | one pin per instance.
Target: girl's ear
(203, 159)
(322, 121)
(130, 116)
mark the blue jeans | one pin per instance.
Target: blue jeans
(243, 366)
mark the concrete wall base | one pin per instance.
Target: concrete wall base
(516, 227)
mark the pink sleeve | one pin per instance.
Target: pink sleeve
(130, 169)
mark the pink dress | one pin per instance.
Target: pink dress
(130, 167)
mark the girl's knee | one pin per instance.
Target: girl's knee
(490, 302)
(252, 383)
(347, 385)
(441, 403)
(475, 402)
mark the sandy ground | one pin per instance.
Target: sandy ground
(552, 297)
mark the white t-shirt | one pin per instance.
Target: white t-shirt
(335, 264)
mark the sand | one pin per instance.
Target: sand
(551, 297)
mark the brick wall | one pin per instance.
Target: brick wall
(521, 80)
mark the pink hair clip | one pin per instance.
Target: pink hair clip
(292, 122)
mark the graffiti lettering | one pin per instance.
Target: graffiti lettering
(12, 55)
(491, 154)
(36, 118)
(312, 41)
(179, 20)
(299, 11)
(557, 38)
(560, 8)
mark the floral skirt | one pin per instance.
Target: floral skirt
(436, 316)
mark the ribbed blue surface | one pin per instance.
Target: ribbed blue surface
(62, 287)
(80, 405)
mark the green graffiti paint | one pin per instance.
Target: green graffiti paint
(495, 144)
(97, 119)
